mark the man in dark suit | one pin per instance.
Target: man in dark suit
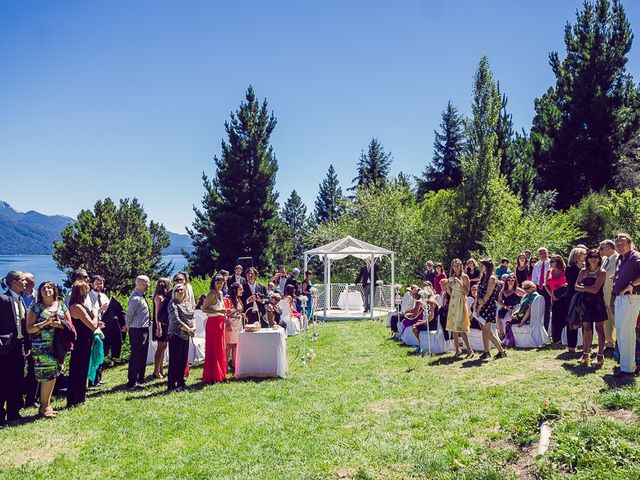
(254, 295)
(365, 276)
(15, 346)
(236, 277)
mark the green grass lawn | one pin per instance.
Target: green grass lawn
(365, 408)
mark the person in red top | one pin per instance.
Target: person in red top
(439, 276)
(556, 287)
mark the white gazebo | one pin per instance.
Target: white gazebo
(342, 248)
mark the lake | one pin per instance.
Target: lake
(44, 267)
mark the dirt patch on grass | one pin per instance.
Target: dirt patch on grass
(41, 451)
(621, 415)
(525, 466)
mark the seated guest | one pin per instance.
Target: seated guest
(414, 315)
(274, 311)
(181, 329)
(429, 323)
(395, 318)
(521, 314)
(503, 268)
(289, 297)
(46, 316)
(508, 298)
(438, 277)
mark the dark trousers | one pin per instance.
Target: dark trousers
(367, 297)
(30, 384)
(139, 340)
(11, 382)
(178, 356)
(547, 306)
(79, 370)
(559, 319)
(112, 339)
(394, 322)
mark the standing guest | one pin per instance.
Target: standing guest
(457, 315)
(626, 302)
(188, 288)
(364, 275)
(532, 263)
(160, 327)
(234, 322)
(279, 278)
(575, 263)
(486, 307)
(225, 290)
(539, 276)
(180, 329)
(473, 271)
(591, 283)
(14, 346)
(306, 291)
(253, 297)
(80, 274)
(293, 280)
(44, 318)
(443, 311)
(30, 384)
(84, 324)
(437, 279)
(509, 296)
(99, 305)
(503, 269)
(215, 360)
(237, 276)
(137, 323)
(527, 255)
(556, 288)
(522, 270)
(609, 261)
(429, 273)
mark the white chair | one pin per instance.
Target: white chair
(475, 338)
(533, 335)
(409, 338)
(151, 352)
(407, 303)
(200, 320)
(196, 349)
(435, 340)
(293, 324)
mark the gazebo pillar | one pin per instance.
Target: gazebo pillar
(393, 278)
(372, 286)
(327, 285)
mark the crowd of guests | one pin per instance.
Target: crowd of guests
(40, 330)
(594, 289)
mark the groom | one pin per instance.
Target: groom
(365, 276)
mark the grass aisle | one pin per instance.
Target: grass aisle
(364, 408)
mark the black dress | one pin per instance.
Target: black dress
(522, 275)
(79, 362)
(165, 325)
(594, 308)
(488, 310)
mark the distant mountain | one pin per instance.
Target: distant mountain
(33, 233)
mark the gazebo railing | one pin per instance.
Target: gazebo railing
(382, 297)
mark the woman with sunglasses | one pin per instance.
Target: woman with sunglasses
(181, 329)
(556, 287)
(522, 313)
(508, 298)
(522, 271)
(591, 283)
(486, 307)
(215, 358)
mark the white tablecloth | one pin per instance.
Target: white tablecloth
(262, 354)
(350, 301)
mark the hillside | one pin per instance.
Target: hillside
(33, 233)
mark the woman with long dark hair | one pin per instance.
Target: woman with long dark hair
(160, 329)
(234, 321)
(575, 263)
(181, 327)
(487, 294)
(458, 315)
(84, 323)
(215, 359)
(523, 270)
(556, 286)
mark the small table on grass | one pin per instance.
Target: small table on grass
(262, 354)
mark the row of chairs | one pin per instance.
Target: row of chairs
(533, 335)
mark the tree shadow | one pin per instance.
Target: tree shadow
(578, 370)
(614, 381)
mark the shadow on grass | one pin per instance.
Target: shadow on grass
(474, 362)
(578, 370)
(614, 381)
(569, 355)
(448, 360)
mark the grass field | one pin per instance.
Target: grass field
(365, 408)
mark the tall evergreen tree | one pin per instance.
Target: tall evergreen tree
(373, 166)
(448, 147)
(581, 123)
(504, 132)
(239, 206)
(480, 166)
(522, 180)
(330, 201)
(294, 216)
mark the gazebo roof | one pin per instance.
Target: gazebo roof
(348, 246)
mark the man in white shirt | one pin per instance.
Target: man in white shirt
(609, 261)
(538, 276)
(99, 305)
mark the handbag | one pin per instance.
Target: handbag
(6, 343)
(561, 291)
(575, 312)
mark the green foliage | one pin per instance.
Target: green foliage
(445, 171)
(239, 206)
(522, 180)
(115, 242)
(624, 212)
(581, 123)
(290, 241)
(330, 203)
(373, 166)
(592, 216)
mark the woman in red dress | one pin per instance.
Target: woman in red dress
(215, 358)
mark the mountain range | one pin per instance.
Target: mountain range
(33, 233)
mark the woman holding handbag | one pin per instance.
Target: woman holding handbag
(556, 286)
(575, 263)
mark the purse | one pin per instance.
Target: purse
(6, 344)
(561, 292)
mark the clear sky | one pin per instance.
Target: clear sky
(123, 99)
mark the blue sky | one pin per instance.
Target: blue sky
(128, 99)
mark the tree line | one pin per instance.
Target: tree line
(486, 190)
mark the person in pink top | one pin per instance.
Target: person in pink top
(556, 288)
(438, 277)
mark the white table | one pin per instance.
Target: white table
(262, 354)
(350, 301)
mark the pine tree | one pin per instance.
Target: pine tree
(581, 123)
(504, 131)
(448, 146)
(522, 181)
(330, 201)
(373, 166)
(294, 216)
(480, 166)
(239, 206)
